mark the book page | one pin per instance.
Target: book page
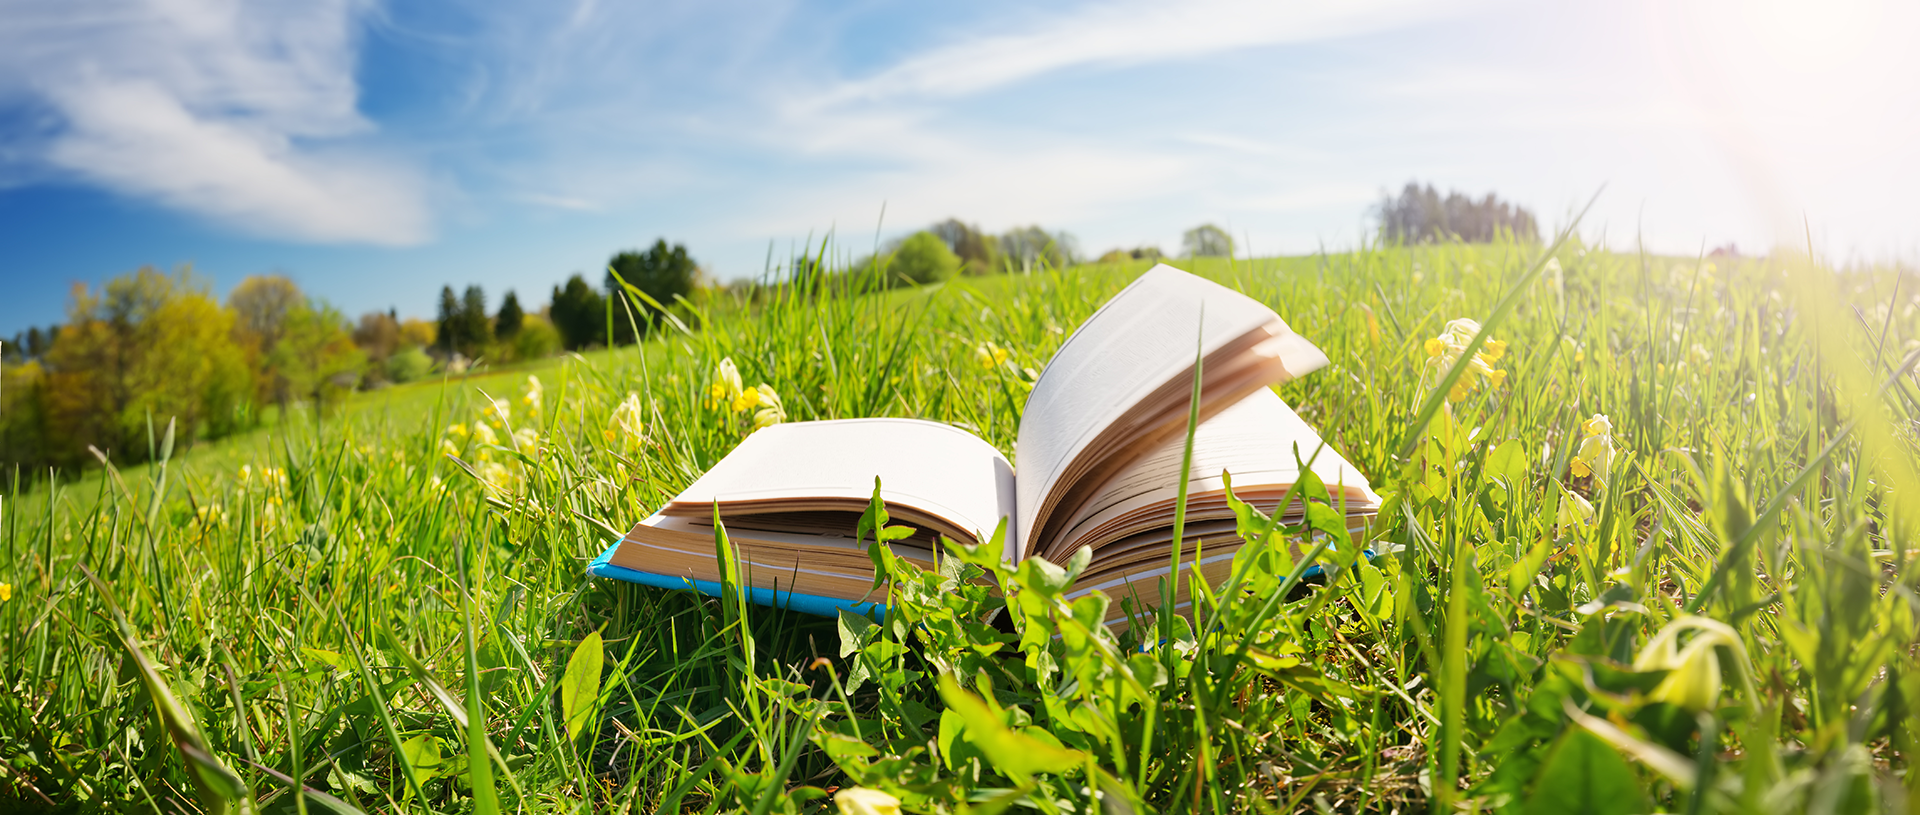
(1123, 380)
(945, 475)
(1255, 440)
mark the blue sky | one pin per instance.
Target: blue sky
(375, 151)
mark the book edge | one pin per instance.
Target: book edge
(815, 605)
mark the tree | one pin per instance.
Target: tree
(408, 364)
(978, 251)
(580, 314)
(417, 332)
(316, 355)
(923, 258)
(1420, 215)
(1029, 247)
(537, 339)
(146, 347)
(448, 335)
(476, 328)
(260, 305)
(508, 323)
(378, 336)
(663, 273)
(1206, 241)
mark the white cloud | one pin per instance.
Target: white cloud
(242, 112)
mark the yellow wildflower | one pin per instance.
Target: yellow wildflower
(456, 429)
(989, 355)
(863, 801)
(534, 395)
(210, 515)
(1575, 512)
(484, 434)
(496, 476)
(747, 400)
(628, 421)
(773, 413)
(527, 440)
(498, 411)
(726, 384)
(1444, 350)
(246, 473)
(448, 448)
(6, 592)
(1595, 456)
(1693, 679)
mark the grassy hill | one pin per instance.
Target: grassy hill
(1702, 602)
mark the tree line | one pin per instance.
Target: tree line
(1421, 215)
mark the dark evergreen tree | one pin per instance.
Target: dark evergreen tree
(449, 334)
(507, 324)
(664, 273)
(475, 327)
(580, 314)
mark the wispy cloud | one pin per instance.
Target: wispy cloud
(1125, 34)
(244, 113)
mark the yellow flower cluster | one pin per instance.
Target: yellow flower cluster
(534, 396)
(6, 592)
(498, 412)
(727, 389)
(1444, 350)
(1575, 512)
(864, 801)
(990, 355)
(1595, 456)
(265, 477)
(628, 422)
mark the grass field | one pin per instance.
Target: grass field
(1702, 604)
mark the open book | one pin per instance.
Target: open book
(1100, 445)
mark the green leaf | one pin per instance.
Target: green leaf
(1016, 754)
(1585, 776)
(424, 756)
(853, 632)
(580, 685)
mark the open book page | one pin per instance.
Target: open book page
(1255, 440)
(1121, 383)
(931, 474)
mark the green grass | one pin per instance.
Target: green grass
(367, 616)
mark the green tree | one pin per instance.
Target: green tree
(1206, 241)
(260, 305)
(317, 356)
(580, 314)
(663, 273)
(1030, 247)
(923, 258)
(536, 339)
(978, 251)
(408, 364)
(507, 324)
(146, 346)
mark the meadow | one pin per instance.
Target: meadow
(1660, 561)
